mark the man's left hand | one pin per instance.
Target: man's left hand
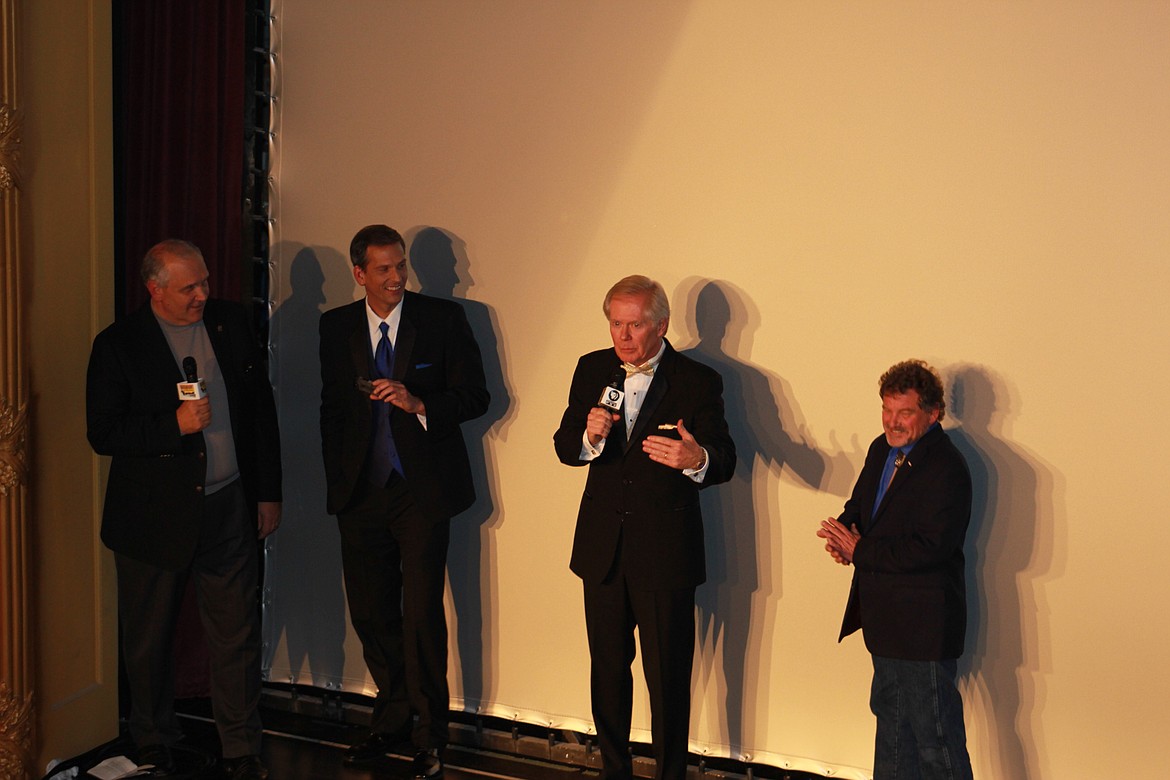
(681, 453)
(268, 519)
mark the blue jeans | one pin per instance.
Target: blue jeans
(920, 733)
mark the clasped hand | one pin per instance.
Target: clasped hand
(840, 542)
(394, 392)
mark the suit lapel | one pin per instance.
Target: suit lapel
(360, 352)
(404, 344)
(618, 432)
(658, 389)
(158, 348)
(899, 478)
(918, 453)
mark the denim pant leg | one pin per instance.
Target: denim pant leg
(920, 732)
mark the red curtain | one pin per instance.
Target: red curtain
(181, 116)
(179, 162)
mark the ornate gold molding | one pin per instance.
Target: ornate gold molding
(9, 148)
(17, 724)
(15, 734)
(13, 444)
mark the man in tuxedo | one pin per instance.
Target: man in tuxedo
(400, 372)
(192, 485)
(655, 439)
(902, 530)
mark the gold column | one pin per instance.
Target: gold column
(15, 661)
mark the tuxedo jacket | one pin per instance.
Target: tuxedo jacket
(437, 358)
(154, 495)
(908, 594)
(650, 509)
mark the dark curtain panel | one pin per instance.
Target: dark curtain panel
(179, 173)
(180, 151)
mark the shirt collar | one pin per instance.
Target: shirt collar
(373, 321)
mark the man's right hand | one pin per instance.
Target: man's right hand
(599, 424)
(193, 416)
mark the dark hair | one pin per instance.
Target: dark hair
(372, 235)
(918, 376)
(154, 263)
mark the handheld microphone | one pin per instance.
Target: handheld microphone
(194, 388)
(613, 394)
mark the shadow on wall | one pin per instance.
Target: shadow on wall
(741, 517)
(1010, 546)
(438, 259)
(304, 596)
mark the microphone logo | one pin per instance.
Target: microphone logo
(613, 394)
(194, 388)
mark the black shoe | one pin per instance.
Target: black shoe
(159, 757)
(427, 765)
(373, 747)
(244, 768)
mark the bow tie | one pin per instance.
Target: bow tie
(645, 368)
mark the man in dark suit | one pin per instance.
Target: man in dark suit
(400, 371)
(192, 485)
(638, 546)
(903, 530)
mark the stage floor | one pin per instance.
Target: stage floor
(304, 741)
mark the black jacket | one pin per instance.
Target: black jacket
(154, 496)
(437, 358)
(908, 594)
(653, 510)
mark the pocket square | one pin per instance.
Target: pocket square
(420, 366)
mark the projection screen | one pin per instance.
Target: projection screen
(823, 188)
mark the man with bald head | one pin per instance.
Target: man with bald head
(194, 483)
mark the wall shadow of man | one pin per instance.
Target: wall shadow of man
(741, 518)
(1010, 556)
(438, 260)
(304, 597)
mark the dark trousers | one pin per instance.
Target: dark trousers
(225, 573)
(920, 732)
(665, 621)
(394, 560)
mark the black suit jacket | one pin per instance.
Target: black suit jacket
(908, 594)
(437, 358)
(154, 496)
(652, 509)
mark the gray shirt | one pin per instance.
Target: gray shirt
(191, 341)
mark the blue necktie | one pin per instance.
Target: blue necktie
(894, 462)
(383, 453)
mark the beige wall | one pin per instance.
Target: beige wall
(824, 188)
(995, 174)
(68, 253)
